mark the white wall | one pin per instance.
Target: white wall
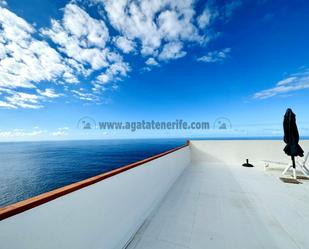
(101, 216)
(237, 151)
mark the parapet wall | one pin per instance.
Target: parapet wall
(237, 151)
(102, 215)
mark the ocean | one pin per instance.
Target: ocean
(28, 169)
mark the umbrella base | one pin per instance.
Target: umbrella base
(247, 165)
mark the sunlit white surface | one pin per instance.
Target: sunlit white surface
(217, 203)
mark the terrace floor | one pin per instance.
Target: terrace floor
(228, 206)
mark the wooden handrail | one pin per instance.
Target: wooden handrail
(32, 202)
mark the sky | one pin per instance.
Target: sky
(241, 60)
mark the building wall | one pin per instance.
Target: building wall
(101, 216)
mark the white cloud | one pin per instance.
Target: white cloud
(33, 99)
(82, 95)
(295, 82)
(113, 73)
(20, 133)
(25, 62)
(124, 44)
(152, 62)
(153, 22)
(205, 18)
(24, 100)
(13, 99)
(4, 104)
(61, 132)
(286, 81)
(173, 26)
(215, 56)
(49, 93)
(78, 23)
(81, 37)
(172, 50)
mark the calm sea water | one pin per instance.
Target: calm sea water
(31, 168)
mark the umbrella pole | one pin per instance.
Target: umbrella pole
(294, 167)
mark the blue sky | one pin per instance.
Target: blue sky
(151, 60)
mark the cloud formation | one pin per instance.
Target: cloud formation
(154, 24)
(215, 56)
(124, 44)
(83, 40)
(151, 62)
(33, 133)
(21, 133)
(61, 132)
(79, 54)
(25, 61)
(205, 18)
(292, 83)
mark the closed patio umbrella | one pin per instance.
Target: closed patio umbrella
(291, 138)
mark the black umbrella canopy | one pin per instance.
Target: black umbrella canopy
(291, 135)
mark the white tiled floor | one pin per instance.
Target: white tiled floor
(228, 206)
